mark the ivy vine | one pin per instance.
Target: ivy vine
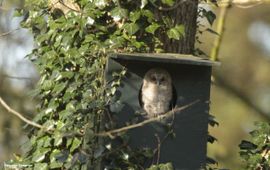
(256, 152)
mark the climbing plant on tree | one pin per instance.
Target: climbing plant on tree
(73, 41)
(256, 153)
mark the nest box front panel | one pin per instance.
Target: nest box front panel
(187, 149)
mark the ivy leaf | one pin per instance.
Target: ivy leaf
(75, 144)
(148, 14)
(26, 147)
(131, 28)
(211, 120)
(152, 28)
(166, 166)
(211, 139)
(214, 2)
(212, 31)
(173, 34)
(18, 13)
(116, 42)
(210, 16)
(113, 90)
(143, 3)
(168, 2)
(67, 74)
(58, 88)
(100, 3)
(180, 29)
(210, 161)
(41, 166)
(47, 85)
(247, 145)
(200, 52)
(119, 13)
(177, 32)
(134, 16)
(70, 107)
(54, 163)
(58, 138)
(49, 124)
(39, 155)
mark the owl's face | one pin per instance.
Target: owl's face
(159, 77)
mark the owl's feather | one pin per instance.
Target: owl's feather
(157, 92)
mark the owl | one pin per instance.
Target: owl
(156, 92)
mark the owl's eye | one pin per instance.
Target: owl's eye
(162, 79)
(153, 79)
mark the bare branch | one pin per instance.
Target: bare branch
(4, 9)
(9, 32)
(34, 124)
(153, 119)
(19, 115)
(220, 30)
(158, 148)
(238, 3)
(15, 77)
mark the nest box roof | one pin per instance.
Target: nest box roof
(165, 58)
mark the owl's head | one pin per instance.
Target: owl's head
(158, 76)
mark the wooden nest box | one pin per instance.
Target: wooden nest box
(185, 146)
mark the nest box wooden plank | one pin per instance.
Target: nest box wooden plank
(191, 80)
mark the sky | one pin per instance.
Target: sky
(12, 53)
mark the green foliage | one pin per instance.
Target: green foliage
(176, 32)
(210, 16)
(167, 166)
(256, 153)
(168, 2)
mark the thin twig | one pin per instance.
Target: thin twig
(9, 32)
(158, 148)
(15, 77)
(4, 9)
(154, 119)
(34, 124)
(164, 138)
(220, 30)
(19, 115)
(238, 3)
(248, 5)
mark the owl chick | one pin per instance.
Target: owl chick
(156, 92)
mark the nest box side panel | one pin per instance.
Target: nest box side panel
(126, 95)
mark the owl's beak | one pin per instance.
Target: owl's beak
(158, 83)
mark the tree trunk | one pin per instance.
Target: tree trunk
(185, 14)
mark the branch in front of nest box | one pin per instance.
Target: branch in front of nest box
(111, 133)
